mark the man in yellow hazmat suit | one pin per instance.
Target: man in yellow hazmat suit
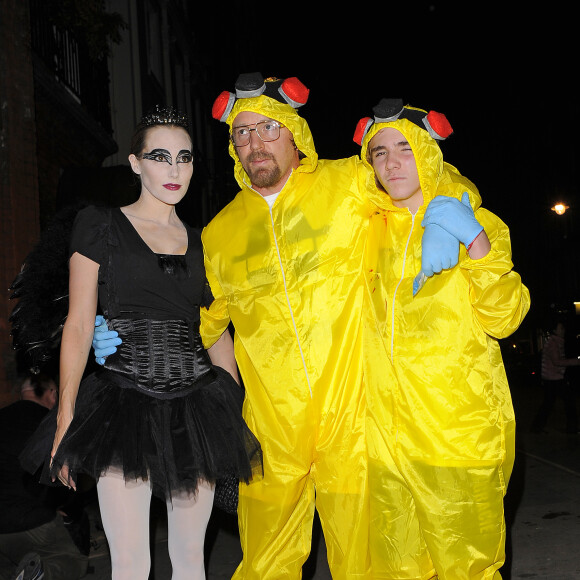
(441, 426)
(284, 262)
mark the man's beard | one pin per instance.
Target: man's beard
(263, 177)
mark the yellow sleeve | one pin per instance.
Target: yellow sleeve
(215, 319)
(499, 299)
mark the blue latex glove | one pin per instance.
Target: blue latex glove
(440, 250)
(454, 216)
(105, 341)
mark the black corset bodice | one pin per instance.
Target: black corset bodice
(166, 358)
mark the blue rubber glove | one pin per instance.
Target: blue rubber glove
(440, 250)
(454, 216)
(105, 341)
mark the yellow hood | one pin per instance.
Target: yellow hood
(284, 114)
(435, 175)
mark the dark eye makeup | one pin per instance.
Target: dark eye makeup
(163, 156)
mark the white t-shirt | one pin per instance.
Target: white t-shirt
(270, 199)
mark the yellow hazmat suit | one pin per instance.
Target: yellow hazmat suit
(441, 423)
(290, 279)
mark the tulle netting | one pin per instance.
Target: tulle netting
(170, 442)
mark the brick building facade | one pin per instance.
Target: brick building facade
(66, 119)
(19, 201)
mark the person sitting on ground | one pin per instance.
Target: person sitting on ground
(34, 542)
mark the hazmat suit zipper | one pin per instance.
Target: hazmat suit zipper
(288, 302)
(398, 284)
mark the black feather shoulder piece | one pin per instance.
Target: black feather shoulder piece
(42, 291)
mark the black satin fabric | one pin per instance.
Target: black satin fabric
(164, 358)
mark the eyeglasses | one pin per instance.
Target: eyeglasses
(267, 131)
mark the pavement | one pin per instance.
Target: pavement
(542, 512)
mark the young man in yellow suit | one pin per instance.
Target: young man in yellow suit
(441, 426)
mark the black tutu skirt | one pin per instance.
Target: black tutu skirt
(170, 442)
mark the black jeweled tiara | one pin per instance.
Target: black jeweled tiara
(165, 116)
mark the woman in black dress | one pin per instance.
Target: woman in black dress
(159, 417)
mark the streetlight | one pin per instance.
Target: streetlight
(568, 252)
(560, 208)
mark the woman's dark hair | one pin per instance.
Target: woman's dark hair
(157, 117)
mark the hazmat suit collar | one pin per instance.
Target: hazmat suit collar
(284, 114)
